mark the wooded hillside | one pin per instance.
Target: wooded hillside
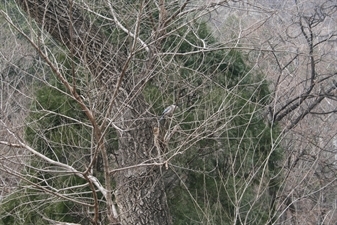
(249, 137)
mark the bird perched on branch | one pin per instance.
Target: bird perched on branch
(168, 111)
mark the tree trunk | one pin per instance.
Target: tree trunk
(140, 191)
(140, 194)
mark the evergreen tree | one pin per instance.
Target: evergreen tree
(226, 164)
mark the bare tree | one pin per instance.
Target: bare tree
(112, 97)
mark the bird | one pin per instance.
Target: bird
(168, 111)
